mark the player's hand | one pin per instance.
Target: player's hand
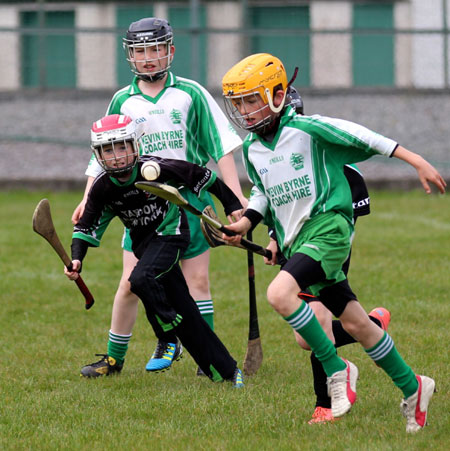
(78, 212)
(273, 247)
(237, 215)
(429, 174)
(241, 228)
(244, 202)
(75, 273)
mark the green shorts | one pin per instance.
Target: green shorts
(198, 243)
(327, 239)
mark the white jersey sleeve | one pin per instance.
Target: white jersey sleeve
(210, 134)
(258, 201)
(229, 138)
(381, 144)
(93, 168)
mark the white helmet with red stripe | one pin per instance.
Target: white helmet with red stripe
(114, 142)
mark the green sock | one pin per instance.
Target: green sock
(207, 311)
(305, 323)
(216, 377)
(386, 356)
(118, 346)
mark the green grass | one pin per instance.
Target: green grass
(400, 260)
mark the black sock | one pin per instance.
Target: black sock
(320, 383)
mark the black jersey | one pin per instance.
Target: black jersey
(360, 195)
(144, 214)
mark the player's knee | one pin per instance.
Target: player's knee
(135, 282)
(356, 327)
(124, 296)
(124, 285)
(272, 297)
(198, 282)
(277, 298)
(140, 279)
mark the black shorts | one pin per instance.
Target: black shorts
(336, 297)
(306, 271)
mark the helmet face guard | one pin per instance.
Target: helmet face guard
(258, 76)
(114, 142)
(148, 44)
(236, 107)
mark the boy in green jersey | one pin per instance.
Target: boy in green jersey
(296, 165)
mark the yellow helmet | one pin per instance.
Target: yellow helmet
(257, 74)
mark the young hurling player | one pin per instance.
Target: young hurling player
(296, 164)
(180, 120)
(380, 316)
(160, 235)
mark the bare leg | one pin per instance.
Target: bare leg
(357, 323)
(196, 272)
(282, 295)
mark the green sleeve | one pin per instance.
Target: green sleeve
(94, 234)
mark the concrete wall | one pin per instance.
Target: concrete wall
(225, 49)
(45, 138)
(428, 49)
(10, 54)
(95, 52)
(331, 59)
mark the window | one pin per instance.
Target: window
(373, 53)
(185, 63)
(48, 59)
(293, 49)
(124, 17)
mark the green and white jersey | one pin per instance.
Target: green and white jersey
(182, 122)
(300, 173)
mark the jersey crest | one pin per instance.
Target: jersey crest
(297, 161)
(175, 116)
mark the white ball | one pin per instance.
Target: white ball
(150, 170)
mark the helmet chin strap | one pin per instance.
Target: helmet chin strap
(152, 78)
(270, 101)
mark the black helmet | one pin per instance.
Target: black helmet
(294, 100)
(142, 35)
(150, 29)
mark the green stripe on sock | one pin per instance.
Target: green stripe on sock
(394, 365)
(305, 323)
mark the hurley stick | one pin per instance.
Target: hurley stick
(43, 225)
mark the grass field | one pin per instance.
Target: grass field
(401, 260)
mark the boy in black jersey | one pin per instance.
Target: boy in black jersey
(160, 235)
